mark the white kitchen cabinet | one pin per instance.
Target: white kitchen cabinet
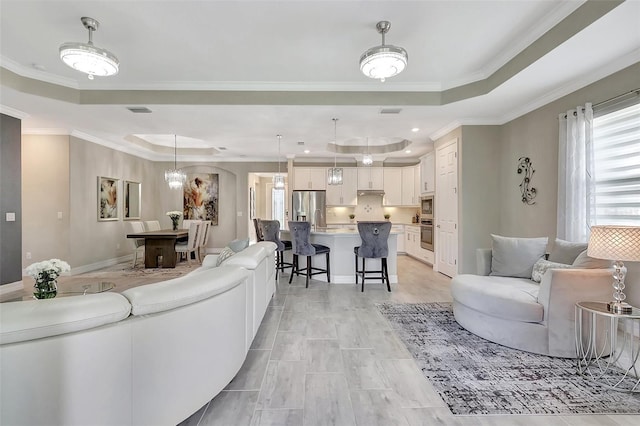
(400, 238)
(310, 178)
(412, 245)
(370, 178)
(392, 184)
(347, 193)
(427, 174)
(409, 193)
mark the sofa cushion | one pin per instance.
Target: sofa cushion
(225, 254)
(515, 257)
(185, 290)
(35, 319)
(251, 257)
(566, 251)
(541, 267)
(585, 261)
(503, 297)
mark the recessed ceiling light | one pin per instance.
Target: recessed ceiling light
(306, 151)
(415, 129)
(408, 151)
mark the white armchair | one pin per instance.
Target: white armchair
(522, 314)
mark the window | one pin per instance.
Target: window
(616, 147)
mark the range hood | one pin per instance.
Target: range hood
(363, 192)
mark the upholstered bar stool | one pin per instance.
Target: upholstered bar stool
(271, 232)
(300, 232)
(256, 224)
(374, 236)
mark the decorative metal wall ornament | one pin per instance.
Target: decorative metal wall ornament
(528, 192)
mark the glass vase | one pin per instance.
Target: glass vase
(174, 222)
(45, 289)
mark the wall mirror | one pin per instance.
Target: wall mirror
(132, 200)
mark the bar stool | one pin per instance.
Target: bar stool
(300, 232)
(271, 232)
(256, 224)
(374, 236)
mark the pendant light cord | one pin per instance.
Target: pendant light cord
(279, 140)
(175, 152)
(335, 141)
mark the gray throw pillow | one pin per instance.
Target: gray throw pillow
(515, 257)
(224, 255)
(566, 251)
(541, 267)
(239, 245)
(588, 262)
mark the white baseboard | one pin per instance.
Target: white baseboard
(11, 287)
(99, 265)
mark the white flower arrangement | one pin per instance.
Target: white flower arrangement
(47, 270)
(174, 214)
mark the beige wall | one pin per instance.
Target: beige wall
(45, 192)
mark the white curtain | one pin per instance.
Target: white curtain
(575, 174)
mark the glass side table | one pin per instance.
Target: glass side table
(607, 348)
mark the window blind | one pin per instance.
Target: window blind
(616, 145)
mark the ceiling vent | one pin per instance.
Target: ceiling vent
(390, 110)
(301, 143)
(139, 110)
(222, 148)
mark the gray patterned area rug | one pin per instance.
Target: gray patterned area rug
(475, 376)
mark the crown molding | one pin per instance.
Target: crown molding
(7, 110)
(29, 72)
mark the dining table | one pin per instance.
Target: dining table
(159, 246)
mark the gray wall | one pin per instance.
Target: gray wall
(10, 200)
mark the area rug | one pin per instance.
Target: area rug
(475, 376)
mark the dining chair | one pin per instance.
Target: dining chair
(374, 236)
(205, 228)
(152, 225)
(191, 245)
(300, 233)
(136, 243)
(271, 232)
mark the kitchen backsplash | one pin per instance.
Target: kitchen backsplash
(370, 208)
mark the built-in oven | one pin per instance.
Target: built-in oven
(426, 234)
(426, 207)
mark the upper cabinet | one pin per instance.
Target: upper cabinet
(309, 178)
(347, 193)
(410, 195)
(392, 184)
(370, 178)
(427, 174)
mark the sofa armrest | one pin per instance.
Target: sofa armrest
(483, 261)
(561, 289)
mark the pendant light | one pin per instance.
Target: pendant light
(367, 160)
(87, 58)
(383, 61)
(175, 177)
(334, 174)
(278, 180)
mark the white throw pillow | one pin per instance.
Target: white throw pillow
(588, 262)
(565, 251)
(224, 255)
(541, 267)
(515, 257)
(239, 245)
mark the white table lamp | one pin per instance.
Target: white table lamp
(617, 243)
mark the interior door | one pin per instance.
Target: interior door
(446, 214)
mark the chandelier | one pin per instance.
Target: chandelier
(175, 177)
(367, 159)
(334, 174)
(87, 58)
(383, 61)
(278, 180)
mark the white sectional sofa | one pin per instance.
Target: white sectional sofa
(523, 314)
(152, 355)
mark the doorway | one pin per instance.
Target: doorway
(447, 208)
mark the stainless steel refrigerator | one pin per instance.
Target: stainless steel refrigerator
(310, 206)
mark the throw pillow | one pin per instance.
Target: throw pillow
(566, 251)
(588, 262)
(224, 255)
(515, 257)
(541, 267)
(239, 245)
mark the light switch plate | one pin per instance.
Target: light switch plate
(10, 217)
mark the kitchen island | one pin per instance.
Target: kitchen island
(341, 241)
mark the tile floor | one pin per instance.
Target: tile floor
(325, 356)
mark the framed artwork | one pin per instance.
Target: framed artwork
(132, 200)
(107, 199)
(252, 203)
(201, 197)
